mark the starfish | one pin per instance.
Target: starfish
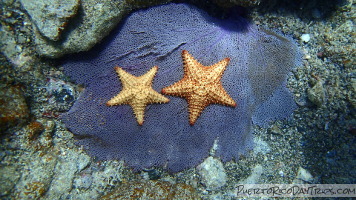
(200, 86)
(137, 92)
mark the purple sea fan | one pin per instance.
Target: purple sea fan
(260, 61)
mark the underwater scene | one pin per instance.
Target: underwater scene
(177, 99)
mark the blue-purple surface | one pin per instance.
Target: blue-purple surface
(255, 79)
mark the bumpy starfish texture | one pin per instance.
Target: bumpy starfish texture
(137, 92)
(200, 86)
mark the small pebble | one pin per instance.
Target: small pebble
(303, 176)
(316, 94)
(305, 38)
(212, 173)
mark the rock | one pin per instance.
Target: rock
(111, 175)
(13, 108)
(34, 183)
(34, 129)
(51, 17)
(152, 190)
(83, 182)
(69, 163)
(8, 45)
(276, 130)
(351, 98)
(254, 177)
(212, 173)
(38, 136)
(305, 38)
(9, 176)
(261, 146)
(316, 94)
(83, 160)
(303, 176)
(92, 23)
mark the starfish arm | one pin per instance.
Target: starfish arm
(147, 78)
(138, 108)
(127, 79)
(155, 97)
(123, 97)
(180, 88)
(190, 65)
(217, 70)
(196, 105)
(218, 95)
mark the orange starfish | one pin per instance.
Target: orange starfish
(200, 86)
(137, 92)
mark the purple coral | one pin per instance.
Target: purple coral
(255, 79)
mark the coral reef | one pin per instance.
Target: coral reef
(317, 146)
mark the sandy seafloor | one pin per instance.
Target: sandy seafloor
(39, 160)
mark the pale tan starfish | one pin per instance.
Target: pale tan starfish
(200, 86)
(137, 92)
